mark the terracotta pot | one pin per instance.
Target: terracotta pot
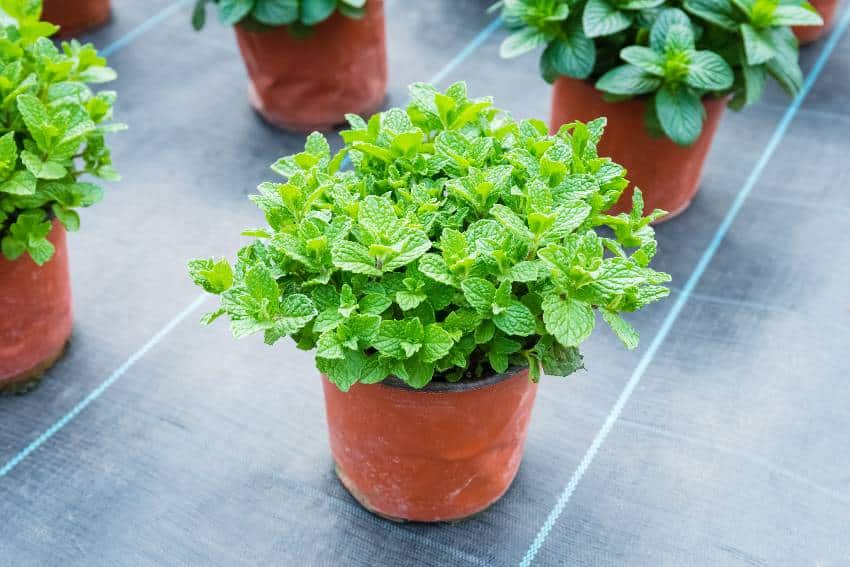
(826, 9)
(667, 174)
(35, 326)
(310, 83)
(438, 454)
(75, 16)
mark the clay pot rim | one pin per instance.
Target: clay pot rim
(454, 387)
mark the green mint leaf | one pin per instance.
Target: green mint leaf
(709, 71)
(233, 11)
(21, 183)
(436, 343)
(435, 267)
(479, 293)
(526, 271)
(37, 120)
(569, 321)
(645, 58)
(558, 360)
(522, 41)
(628, 80)
(354, 257)
(601, 18)
(275, 12)
(343, 372)
(516, 319)
(573, 54)
(758, 45)
(512, 222)
(69, 218)
(666, 19)
(718, 12)
(785, 15)
(680, 113)
(42, 169)
(8, 154)
(214, 276)
(399, 339)
(315, 11)
(621, 328)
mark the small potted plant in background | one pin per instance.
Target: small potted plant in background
(76, 16)
(309, 61)
(661, 74)
(458, 260)
(827, 10)
(51, 134)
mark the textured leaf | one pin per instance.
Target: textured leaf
(569, 321)
(523, 41)
(232, 11)
(628, 80)
(436, 343)
(680, 113)
(758, 45)
(354, 257)
(573, 55)
(516, 319)
(668, 18)
(621, 328)
(601, 18)
(718, 12)
(479, 293)
(315, 11)
(275, 12)
(709, 71)
(645, 58)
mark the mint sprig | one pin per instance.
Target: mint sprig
(673, 53)
(461, 243)
(52, 130)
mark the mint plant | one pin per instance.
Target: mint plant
(52, 127)
(299, 15)
(672, 52)
(461, 243)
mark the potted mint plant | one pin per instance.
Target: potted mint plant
(662, 72)
(75, 16)
(436, 281)
(309, 61)
(51, 135)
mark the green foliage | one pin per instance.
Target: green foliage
(299, 15)
(674, 52)
(52, 127)
(461, 243)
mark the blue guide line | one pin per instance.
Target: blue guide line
(157, 338)
(142, 28)
(687, 291)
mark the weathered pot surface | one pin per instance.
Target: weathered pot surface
(311, 83)
(75, 16)
(442, 453)
(667, 174)
(36, 324)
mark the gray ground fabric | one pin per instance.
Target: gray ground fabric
(732, 450)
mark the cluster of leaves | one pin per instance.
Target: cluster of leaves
(462, 242)
(299, 15)
(675, 52)
(52, 128)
